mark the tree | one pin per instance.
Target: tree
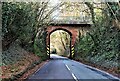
(102, 42)
(26, 22)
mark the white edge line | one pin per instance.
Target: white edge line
(114, 77)
(40, 68)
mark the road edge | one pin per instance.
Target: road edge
(109, 76)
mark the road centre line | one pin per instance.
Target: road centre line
(73, 75)
(67, 67)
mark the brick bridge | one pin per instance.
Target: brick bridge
(72, 29)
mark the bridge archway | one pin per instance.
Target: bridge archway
(60, 42)
(73, 32)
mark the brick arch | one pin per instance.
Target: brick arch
(60, 28)
(71, 30)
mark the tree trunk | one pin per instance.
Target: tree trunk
(62, 41)
(90, 6)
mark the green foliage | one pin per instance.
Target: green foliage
(20, 22)
(84, 46)
(40, 47)
(101, 44)
(113, 9)
(17, 17)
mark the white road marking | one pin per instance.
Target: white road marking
(74, 77)
(40, 68)
(67, 67)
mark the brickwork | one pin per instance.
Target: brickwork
(71, 30)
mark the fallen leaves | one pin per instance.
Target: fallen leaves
(10, 70)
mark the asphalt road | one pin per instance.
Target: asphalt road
(64, 69)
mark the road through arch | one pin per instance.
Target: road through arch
(73, 32)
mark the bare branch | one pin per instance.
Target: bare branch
(112, 12)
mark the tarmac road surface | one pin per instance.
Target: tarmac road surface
(63, 69)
